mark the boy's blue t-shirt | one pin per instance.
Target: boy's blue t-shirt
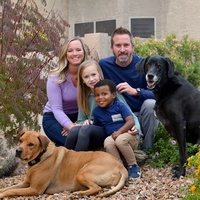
(111, 118)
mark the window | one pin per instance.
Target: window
(107, 26)
(83, 28)
(142, 27)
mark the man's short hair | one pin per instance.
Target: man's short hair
(121, 31)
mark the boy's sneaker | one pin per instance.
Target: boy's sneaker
(134, 172)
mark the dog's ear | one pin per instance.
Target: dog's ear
(20, 133)
(44, 141)
(140, 66)
(170, 67)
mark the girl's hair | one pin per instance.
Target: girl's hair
(83, 89)
(62, 60)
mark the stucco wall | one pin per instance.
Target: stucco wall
(179, 16)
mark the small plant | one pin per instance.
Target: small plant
(165, 149)
(194, 189)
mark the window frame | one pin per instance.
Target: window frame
(144, 17)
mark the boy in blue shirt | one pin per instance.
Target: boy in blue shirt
(117, 120)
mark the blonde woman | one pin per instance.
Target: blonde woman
(61, 110)
(87, 136)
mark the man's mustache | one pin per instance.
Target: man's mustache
(124, 53)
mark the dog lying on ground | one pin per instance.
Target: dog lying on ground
(177, 103)
(54, 169)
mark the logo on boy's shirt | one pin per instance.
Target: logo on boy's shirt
(117, 117)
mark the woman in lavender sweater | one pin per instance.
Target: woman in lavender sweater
(61, 110)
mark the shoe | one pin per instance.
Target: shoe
(134, 172)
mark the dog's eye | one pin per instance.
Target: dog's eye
(30, 144)
(159, 66)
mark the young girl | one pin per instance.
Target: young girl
(86, 136)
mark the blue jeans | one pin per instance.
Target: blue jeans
(53, 129)
(84, 138)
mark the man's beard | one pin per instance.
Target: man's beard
(123, 60)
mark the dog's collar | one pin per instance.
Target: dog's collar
(37, 159)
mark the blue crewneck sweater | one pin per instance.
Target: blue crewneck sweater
(127, 74)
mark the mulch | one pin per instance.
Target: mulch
(155, 183)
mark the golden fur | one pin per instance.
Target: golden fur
(59, 169)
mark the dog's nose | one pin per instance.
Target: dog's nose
(150, 76)
(18, 152)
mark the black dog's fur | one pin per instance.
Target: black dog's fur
(177, 103)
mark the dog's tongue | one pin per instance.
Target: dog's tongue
(150, 84)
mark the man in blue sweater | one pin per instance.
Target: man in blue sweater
(120, 68)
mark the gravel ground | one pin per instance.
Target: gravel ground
(153, 184)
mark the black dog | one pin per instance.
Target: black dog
(177, 103)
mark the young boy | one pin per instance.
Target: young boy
(117, 120)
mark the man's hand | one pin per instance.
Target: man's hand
(125, 87)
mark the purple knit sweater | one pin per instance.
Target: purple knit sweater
(62, 99)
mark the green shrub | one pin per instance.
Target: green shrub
(165, 149)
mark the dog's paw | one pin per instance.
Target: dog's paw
(177, 172)
(175, 169)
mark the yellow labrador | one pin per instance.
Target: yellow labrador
(54, 169)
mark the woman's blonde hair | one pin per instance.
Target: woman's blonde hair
(62, 60)
(83, 89)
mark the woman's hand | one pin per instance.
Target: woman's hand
(65, 130)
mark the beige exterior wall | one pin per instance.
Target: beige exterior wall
(177, 16)
(171, 16)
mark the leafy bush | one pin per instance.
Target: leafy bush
(185, 53)
(29, 43)
(165, 149)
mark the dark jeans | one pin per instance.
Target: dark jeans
(53, 129)
(84, 138)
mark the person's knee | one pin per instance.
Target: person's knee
(148, 106)
(108, 142)
(121, 140)
(84, 132)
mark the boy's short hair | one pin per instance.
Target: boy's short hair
(107, 82)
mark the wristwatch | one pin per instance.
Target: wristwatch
(138, 91)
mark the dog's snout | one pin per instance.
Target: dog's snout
(18, 152)
(150, 76)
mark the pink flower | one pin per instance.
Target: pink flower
(173, 142)
(156, 154)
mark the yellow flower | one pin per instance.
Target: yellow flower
(193, 188)
(197, 173)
